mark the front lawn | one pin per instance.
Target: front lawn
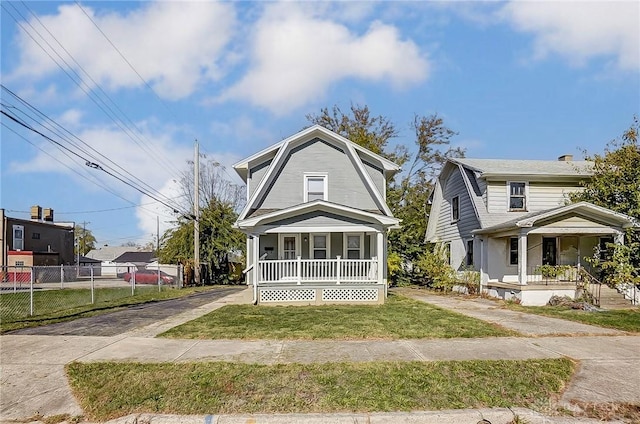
(109, 390)
(623, 319)
(398, 318)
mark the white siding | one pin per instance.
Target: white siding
(540, 196)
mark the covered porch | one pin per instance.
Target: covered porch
(544, 254)
(318, 253)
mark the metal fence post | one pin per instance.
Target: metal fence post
(133, 283)
(61, 276)
(15, 282)
(93, 300)
(31, 293)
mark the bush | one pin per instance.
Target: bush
(435, 266)
(470, 280)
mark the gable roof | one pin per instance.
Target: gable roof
(107, 253)
(585, 208)
(279, 151)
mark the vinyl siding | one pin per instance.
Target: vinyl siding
(316, 219)
(345, 186)
(255, 175)
(377, 176)
(540, 196)
(456, 233)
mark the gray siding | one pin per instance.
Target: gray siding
(345, 186)
(456, 232)
(377, 176)
(318, 218)
(255, 175)
(269, 245)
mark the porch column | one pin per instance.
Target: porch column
(522, 257)
(382, 279)
(256, 259)
(618, 238)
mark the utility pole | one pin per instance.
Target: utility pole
(196, 214)
(158, 246)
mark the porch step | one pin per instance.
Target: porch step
(612, 299)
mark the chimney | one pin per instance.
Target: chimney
(36, 213)
(565, 158)
(48, 215)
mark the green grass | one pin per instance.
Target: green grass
(624, 319)
(110, 390)
(65, 305)
(398, 318)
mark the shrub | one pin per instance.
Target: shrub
(437, 271)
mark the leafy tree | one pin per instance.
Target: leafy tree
(85, 240)
(408, 193)
(220, 200)
(616, 185)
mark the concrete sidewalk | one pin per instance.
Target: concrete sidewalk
(33, 379)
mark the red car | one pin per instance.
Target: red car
(149, 276)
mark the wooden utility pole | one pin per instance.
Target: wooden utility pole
(196, 214)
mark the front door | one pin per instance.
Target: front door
(549, 251)
(289, 249)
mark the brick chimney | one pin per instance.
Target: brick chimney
(565, 158)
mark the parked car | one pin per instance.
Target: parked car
(149, 276)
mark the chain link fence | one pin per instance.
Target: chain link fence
(45, 290)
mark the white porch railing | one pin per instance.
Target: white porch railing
(336, 271)
(562, 274)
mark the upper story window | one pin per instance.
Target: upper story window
(517, 196)
(315, 187)
(35, 236)
(455, 209)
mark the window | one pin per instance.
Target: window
(315, 187)
(455, 209)
(469, 252)
(604, 250)
(320, 246)
(35, 236)
(513, 251)
(353, 244)
(517, 196)
(19, 263)
(18, 237)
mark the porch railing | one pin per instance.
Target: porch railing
(334, 271)
(549, 274)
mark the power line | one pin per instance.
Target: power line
(80, 83)
(87, 162)
(95, 159)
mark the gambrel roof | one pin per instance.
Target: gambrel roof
(277, 154)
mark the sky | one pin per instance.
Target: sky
(128, 87)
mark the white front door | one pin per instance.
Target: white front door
(289, 246)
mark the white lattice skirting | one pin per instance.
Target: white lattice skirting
(320, 295)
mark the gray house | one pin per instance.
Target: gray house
(511, 220)
(316, 220)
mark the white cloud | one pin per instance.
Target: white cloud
(296, 56)
(173, 45)
(580, 31)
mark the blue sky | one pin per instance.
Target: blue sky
(527, 80)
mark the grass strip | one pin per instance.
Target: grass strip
(106, 300)
(622, 319)
(398, 318)
(109, 390)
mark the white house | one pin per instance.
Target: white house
(316, 220)
(507, 218)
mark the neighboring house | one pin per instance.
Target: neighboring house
(36, 242)
(138, 259)
(507, 218)
(316, 220)
(107, 256)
